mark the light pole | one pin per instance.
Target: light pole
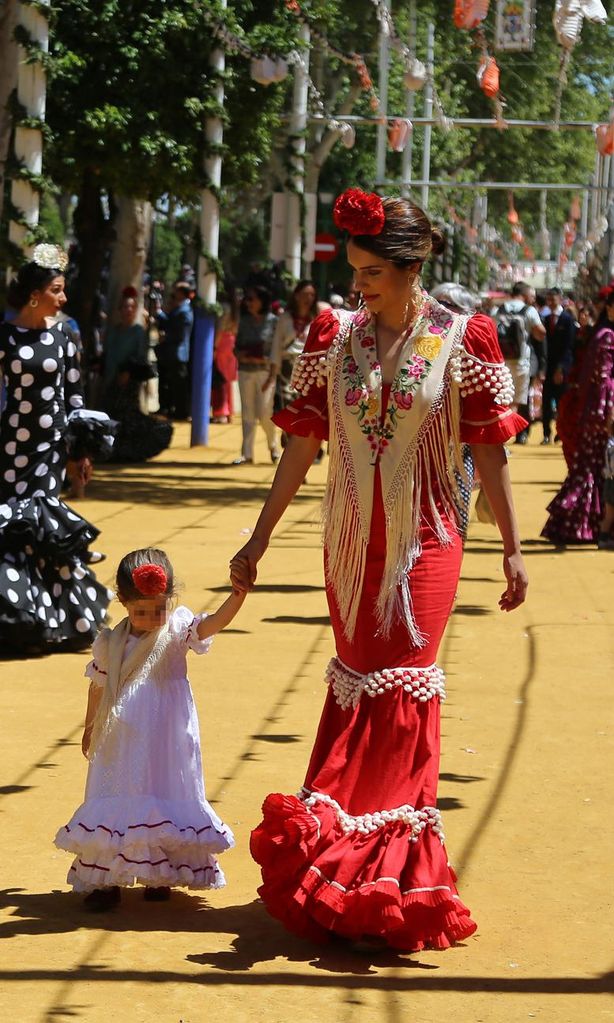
(298, 126)
(204, 320)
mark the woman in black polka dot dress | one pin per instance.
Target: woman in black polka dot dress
(48, 595)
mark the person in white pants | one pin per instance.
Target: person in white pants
(256, 381)
(257, 391)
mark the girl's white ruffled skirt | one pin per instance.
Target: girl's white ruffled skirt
(144, 840)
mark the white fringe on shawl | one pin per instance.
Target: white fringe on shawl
(430, 459)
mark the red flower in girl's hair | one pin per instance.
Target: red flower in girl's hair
(359, 212)
(150, 580)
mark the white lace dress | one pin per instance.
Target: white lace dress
(145, 817)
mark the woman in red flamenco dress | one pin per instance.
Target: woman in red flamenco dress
(396, 388)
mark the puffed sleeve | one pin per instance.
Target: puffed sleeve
(73, 387)
(308, 414)
(486, 387)
(96, 669)
(183, 626)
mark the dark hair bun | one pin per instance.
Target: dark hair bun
(17, 295)
(438, 241)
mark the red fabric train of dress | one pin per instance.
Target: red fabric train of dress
(332, 863)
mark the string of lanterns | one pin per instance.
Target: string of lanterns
(354, 60)
(468, 16)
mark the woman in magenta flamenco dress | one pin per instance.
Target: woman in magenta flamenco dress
(396, 388)
(576, 511)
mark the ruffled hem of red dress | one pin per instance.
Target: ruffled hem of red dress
(296, 847)
(493, 433)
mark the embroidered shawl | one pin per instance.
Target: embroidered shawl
(416, 444)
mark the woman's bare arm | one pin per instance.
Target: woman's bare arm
(491, 463)
(296, 460)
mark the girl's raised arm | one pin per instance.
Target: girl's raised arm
(222, 617)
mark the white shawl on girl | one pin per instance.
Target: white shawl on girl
(121, 671)
(418, 445)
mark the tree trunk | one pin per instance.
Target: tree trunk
(129, 252)
(321, 151)
(93, 232)
(8, 82)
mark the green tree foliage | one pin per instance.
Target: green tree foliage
(131, 89)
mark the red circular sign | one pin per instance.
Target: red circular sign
(326, 248)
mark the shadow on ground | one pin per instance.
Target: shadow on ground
(259, 939)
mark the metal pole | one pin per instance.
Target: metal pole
(592, 212)
(382, 135)
(204, 326)
(520, 186)
(428, 111)
(298, 125)
(584, 217)
(467, 122)
(605, 184)
(408, 152)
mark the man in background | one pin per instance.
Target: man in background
(560, 335)
(173, 353)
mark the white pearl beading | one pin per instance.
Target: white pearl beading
(473, 376)
(310, 370)
(367, 823)
(348, 685)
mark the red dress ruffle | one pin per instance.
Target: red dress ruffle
(361, 851)
(316, 879)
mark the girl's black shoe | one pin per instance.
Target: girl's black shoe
(102, 899)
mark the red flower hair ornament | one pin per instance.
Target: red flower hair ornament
(150, 580)
(359, 212)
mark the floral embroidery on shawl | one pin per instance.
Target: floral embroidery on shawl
(361, 398)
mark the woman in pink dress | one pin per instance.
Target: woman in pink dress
(225, 363)
(575, 513)
(396, 387)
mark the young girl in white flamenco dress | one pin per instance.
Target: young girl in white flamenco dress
(145, 818)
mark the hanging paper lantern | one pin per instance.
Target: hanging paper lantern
(469, 13)
(569, 15)
(281, 69)
(348, 135)
(415, 75)
(575, 211)
(398, 133)
(604, 135)
(512, 216)
(263, 70)
(569, 234)
(517, 235)
(488, 77)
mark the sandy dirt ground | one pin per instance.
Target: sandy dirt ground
(526, 779)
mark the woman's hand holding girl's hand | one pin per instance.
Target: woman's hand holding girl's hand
(243, 567)
(517, 582)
